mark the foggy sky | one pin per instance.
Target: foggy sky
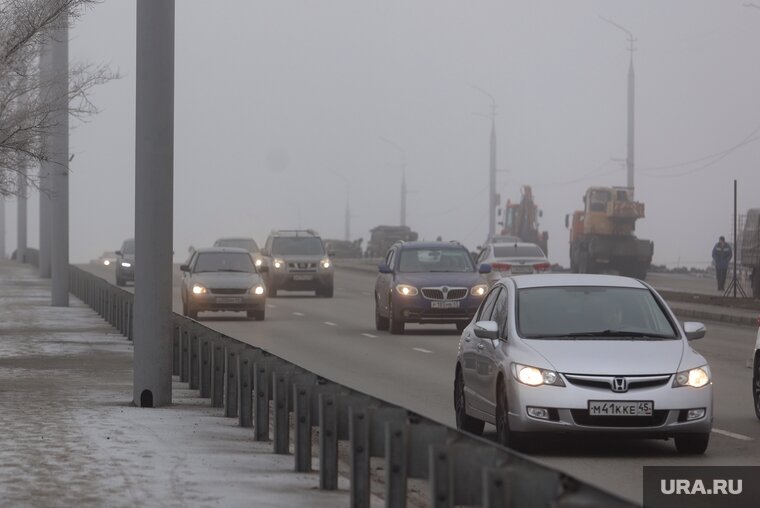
(274, 98)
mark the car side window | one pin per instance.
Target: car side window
(487, 307)
(389, 259)
(483, 255)
(501, 311)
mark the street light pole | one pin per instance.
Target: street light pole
(45, 74)
(21, 219)
(493, 201)
(404, 191)
(347, 218)
(629, 160)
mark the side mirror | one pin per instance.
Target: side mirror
(383, 268)
(184, 268)
(330, 253)
(567, 220)
(118, 253)
(486, 330)
(540, 213)
(485, 268)
(694, 330)
(262, 269)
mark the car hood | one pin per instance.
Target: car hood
(453, 279)
(228, 280)
(611, 357)
(300, 258)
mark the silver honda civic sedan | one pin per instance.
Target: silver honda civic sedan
(577, 353)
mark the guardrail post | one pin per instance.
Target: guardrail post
(280, 384)
(217, 370)
(302, 417)
(230, 383)
(131, 319)
(184, 370)
(441, 486)
(245, 388)
(495, 488)
(176, 350)
(358, 430)
(395, 464)
(194, 361)
(206, 370)
(261, 390)
(328, 442)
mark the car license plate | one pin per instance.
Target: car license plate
(228, 299)
(522, 269)
(444, 305)
(620, 408)
(303, 277)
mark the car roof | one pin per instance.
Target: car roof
(514, 244)
(431, 245)
(221, 249)
(228, 238)
(295, 233)
(574, 279)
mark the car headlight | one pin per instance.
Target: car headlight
(258, 262)
(696, 378)
(106, 262)
(257, 290)
(199, 290)
(533, 376)
(406, 290)
(325, 263)
(479, 290)
(125, 264)
(278, 263)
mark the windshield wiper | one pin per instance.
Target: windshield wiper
(232, 270)
(606, 333)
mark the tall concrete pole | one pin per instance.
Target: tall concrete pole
(154, 201)
(45, 171)
(2, 227)
(492, 203)
(403, 194)
(347, 224)
(21, 219)
(629, 159)
(59, 156)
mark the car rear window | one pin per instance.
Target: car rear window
(518, 251)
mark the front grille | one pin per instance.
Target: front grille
(582, 417)
(302, 266)
(440, 294)
(605, 382)
(228, 291)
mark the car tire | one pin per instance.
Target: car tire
(272, 292)
(692, 444)
(258, 315)
(464, 421)
(381, 322)
(120, 282)
(504, 435)
(395, 324)
(756, 384)
(184, 309)
(192, 313)
(326, 291)
(461, 326)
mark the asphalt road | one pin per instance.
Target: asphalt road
(336, 338)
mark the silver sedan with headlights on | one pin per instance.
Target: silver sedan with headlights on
(576, 353)
(223, 279)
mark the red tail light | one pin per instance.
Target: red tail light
(542, 267)
(501, 267)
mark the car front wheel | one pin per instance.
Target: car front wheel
(395, 324)
(692, 444)
(381, 322)
(465, 422)
(504, 434)
(756, 384)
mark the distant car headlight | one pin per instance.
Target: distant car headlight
(278, 263)
(533, 376)
(406, 290)
(479, 290)
(106, 262)
(258, 262)
(199, 290)
(325, 263)
(125, 264)
(696, 378)
(257, 290)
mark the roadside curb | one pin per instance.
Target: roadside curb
(715, 316)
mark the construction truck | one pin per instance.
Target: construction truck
(383, 237)
(750, 248)
(602, 234)
(521, 220)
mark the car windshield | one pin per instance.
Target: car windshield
(128, 247)
(435, 260)
(242, 243)
(297, 246)
(517, 251)
(591, 313)
(224, 262)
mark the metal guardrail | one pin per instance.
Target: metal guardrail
(257, 388)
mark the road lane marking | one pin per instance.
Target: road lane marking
(369, 335)
(271, 306)
(740, 437)
(366, 293)
(330, 323)
(298, 314)
(427, 351)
